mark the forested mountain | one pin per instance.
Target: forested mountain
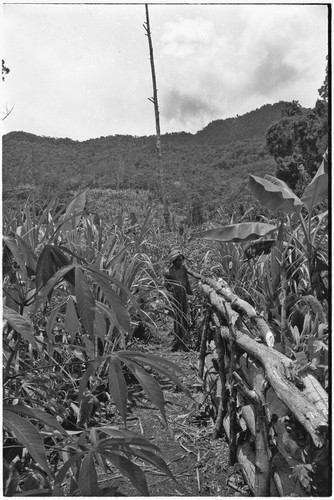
(209, 168)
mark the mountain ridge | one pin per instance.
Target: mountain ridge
(210, 167)
(221, 124)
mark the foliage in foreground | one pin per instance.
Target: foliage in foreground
(72, 297)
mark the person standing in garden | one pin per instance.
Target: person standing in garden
(177, 282)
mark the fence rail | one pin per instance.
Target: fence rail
(276, 422)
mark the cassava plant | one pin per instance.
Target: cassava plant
(70, 296)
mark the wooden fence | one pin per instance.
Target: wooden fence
(275, 420)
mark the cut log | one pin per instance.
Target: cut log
(250, 370)
(226, 425)
(246, 458)
(316, 394)
(247, 413)
(219, 296)
(303, 410)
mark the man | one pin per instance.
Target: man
(177, 282)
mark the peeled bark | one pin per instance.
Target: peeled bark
(247, 413)
(316, 394)
(303, 410)
(220, 297)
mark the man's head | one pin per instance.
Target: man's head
(178, 261)
(176, 257)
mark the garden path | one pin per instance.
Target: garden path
(199, 464)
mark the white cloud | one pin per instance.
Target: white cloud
(244, 57)
(83, 70)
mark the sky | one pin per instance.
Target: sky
(83, 71)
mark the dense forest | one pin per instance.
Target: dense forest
(223, 154)
(282, 139)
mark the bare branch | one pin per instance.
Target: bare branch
(7, 112)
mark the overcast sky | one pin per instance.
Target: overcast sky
(83, 71)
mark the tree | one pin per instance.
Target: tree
(323, 91)
(5, 70)
(299, 139)
(154, 99)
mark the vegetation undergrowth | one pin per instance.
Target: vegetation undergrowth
(74, 292)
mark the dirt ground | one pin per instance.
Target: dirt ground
(199, 464)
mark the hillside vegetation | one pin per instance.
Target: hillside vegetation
(222, 154)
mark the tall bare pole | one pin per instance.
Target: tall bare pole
(154, 99)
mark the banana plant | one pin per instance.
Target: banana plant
(309, 235)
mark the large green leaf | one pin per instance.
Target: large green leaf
(129, 470)
(37, 414)
(317, 190)
(161, 365)
(46, 267)
(277, 258)
(113, 281)
(85, 377)
(274, 194)
(115, 303)
(72, 323)
(117, 386)
(17, 254)
(61, 474)
(150, 386)
(137, 447)
(20, 324)
(45, 291)
(124, 437)
(245, 231)
(85, 302)
(28, 255)
(88, 476)
(28, 436)
(155, 460)
(100, 325)
(73, 213)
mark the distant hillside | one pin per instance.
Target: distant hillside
(248, 126)
(209, 168)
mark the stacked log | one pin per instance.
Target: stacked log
(281, 418)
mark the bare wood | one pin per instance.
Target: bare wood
(222, 408)
(278, 484)
(303, 410)
(154, 99)
(316, 393)
(247, 413)
(262, 450)
(246, 458)
(202, 351)
(218, 300)
(232, 403)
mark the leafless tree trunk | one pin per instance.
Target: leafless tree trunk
(154, 99)
(7, 112)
